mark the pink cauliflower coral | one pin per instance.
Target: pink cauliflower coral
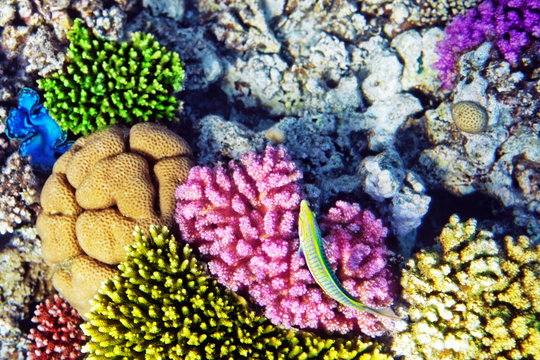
(245, 219)
(58, 335)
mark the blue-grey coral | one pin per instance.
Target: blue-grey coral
(329, 168)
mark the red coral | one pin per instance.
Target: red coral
(58, 335)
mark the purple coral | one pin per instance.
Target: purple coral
(245, 219)
(513, 25)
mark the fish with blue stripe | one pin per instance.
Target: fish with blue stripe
(311, 244)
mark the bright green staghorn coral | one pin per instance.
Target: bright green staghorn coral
(105, 82)
(164, 306)
(473, 299)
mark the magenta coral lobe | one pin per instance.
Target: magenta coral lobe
(250, 238)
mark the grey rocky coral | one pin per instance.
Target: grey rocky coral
(23, 282)
(19, 193)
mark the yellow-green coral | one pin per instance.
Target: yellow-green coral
(105, 82)
(472, 299)
(164, 306)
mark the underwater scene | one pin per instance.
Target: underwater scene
(270, 179)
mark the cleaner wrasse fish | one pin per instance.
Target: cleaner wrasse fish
(311, 244)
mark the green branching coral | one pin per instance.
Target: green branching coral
(164, 306)
(105, 82)
(474, 299)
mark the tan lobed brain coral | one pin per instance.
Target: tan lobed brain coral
(100, 189)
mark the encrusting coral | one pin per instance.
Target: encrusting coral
(99, 190)
(19, 192)
(32, 34)
(472, 299)
(162, 305)
(244, 219)
(106, 83)
(419, 12)
(58, 334)
(24, 281)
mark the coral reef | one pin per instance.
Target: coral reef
(390, 106)
(58, 334)
(435, 11)
(23, 283)
(174, 9)
(184, 314)
(247, 30)
(33, 36)
(107, 83)
(514, 27)
(328, 168)
(221, 139)
(106, 18)
(40, 136)
(12, 79)
(416, 49)
(472, 298)
(360, 114)
(333, 78)
(244, 219)
(331, 168)
(5, 146)
(99, 190)
(299, 61)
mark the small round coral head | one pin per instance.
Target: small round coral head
(275, 136)
(470, 116)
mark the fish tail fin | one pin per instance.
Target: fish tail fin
(386, 312)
